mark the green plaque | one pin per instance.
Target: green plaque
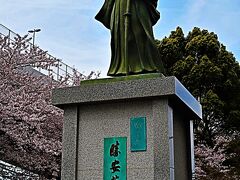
(138, 134)
(115, 158)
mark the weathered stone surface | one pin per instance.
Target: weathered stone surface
(100, 109)
(128, 89)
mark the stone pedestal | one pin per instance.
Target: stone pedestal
(103, 108)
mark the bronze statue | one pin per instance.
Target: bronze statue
(132, 42)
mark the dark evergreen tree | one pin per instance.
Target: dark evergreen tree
(212, 75)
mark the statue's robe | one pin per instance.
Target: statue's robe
(143, 56)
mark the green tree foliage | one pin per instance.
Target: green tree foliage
(212, 75)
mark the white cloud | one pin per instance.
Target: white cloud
(195, 10)
(219, 16)
(69, 30)
(56, 4)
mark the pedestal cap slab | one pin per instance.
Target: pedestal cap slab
(130, 87)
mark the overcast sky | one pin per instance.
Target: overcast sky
(70, 32)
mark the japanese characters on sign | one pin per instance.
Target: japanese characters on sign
(138, 134)
(115, 158)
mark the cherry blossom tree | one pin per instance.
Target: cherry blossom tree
(30, 127)
(210, 161)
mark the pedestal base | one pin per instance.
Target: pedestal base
(95, 111)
